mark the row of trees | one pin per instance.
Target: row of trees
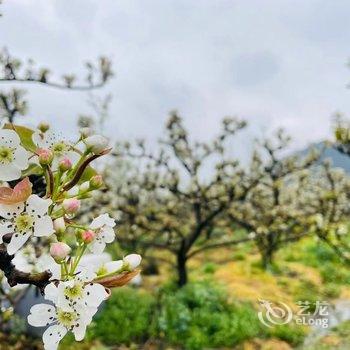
(174, 200)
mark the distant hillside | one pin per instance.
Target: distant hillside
(338, 159)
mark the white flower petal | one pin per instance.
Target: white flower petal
(101, 220)
(94, 294)
(20, 158)
(107, 234)
(43, 227)
(9, 172)
(51, 292)
(46, 262)
(53, 335)
(41, 315)
(85, 273)
(95, 260)
(45, 140)
(8, 211)
(4, 229)
(97, 246)
(114, 266)
(9, 138)
(17, 242)
(37, 205)
(133, 260)
(87, 313)
(79, 331)
(21, 261)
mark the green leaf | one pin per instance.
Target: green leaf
(25, 134)
(33, 169)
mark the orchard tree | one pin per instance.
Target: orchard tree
(14, 70)
(173, 200)
(273, 212)
(342, 135)
(328, 198)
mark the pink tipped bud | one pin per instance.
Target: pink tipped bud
(45, 156)
(65, 164)
(59, 251)
(71, 205)
(131, 261)
(96, 143)
(59, 225)
(88, 236)
(43, 127)
(96, 182)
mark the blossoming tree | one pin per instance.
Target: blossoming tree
(174, 201)
(14, 70)
(73, 287)
(328, 198)
(275, 212)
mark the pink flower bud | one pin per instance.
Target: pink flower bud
(65, 164)
(71, 205)
(45, 156)
(59, 251)
(131, 261)
(88, 236)
(96, 143)
(59, 225)
(96, 181)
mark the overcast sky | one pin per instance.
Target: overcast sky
(276, 63)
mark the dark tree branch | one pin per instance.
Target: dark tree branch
(219, 245)
(14, 276)
(55, 85)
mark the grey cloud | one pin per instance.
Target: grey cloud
(254, 68)
(274, 63)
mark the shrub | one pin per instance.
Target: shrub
(199, 316)
(335, 274)
(291, 333)
(126, 318)
(332, 290)
(209, 268)
(307, 291)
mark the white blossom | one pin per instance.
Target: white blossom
(96, 143)
(57, 144)
(109, 267)
(26, 260)
(103, 227)
(129, 263)
(60, 321)
(77, 291)
(24, 220)
(13, 157)
(132, 261)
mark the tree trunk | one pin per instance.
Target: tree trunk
(267, 258)
(267, 250)
(181, 270)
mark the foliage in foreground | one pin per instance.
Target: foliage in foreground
(197, 316)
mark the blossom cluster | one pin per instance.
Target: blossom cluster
(76, 287)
